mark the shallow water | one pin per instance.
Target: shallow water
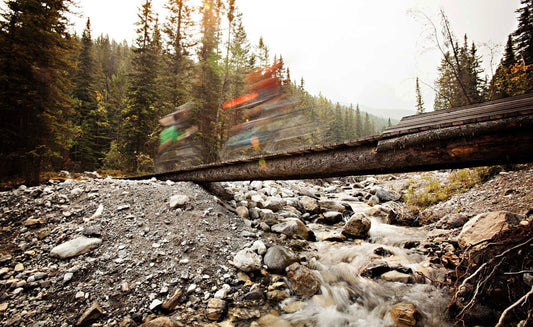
(348, 299)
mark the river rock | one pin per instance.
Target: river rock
(309, 204)
(332, 217)
(386, 195)
(452, 220)
(396, 276)
(247, 260)
(303, 280)
(373, 200)
(75, 247)
(292, 227)
(242, 211)
(404, 314)
(485, 226)
(269, 217)
(216, 309)
(178, 200)
(358, 226)
(93, 313)
(273, 204)
(277, 258)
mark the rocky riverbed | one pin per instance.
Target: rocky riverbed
(110, 252)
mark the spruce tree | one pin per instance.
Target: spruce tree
(524, 33)
(419, 102)
(208, 82)
(86, 149)
(35, 58)
(140, 115)
(178, 31)
(358, 122)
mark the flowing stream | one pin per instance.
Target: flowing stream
(349, 299)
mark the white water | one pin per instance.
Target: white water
(348, 299)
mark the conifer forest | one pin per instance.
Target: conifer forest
(90, 102)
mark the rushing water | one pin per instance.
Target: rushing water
(349, 299)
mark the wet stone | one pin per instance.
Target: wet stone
(303, 280)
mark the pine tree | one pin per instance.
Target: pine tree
(140, 115)
(35, 58)
(419, 102)
(524, 33)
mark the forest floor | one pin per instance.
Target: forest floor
(168, 251)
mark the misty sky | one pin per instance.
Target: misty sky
(352, 51)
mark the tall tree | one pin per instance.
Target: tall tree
(35, 59)
(419, 102)
(140, 116)
(208, 82)
(87, 148)
(524, 33)
(358, 122)
(459, 81)
(263, 53)
(178, 31)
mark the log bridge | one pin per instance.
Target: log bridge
(489, 133)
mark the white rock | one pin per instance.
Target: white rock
(178, 200)
(77, 191)
(75, 247)
(223, 292)
(155, 304)
(191, 288)
(98, 212)
(259, 247)
(247, 260)
(68, 276)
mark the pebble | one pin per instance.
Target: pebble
(68, 277)
(156, 303)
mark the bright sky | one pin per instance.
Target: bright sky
(352, 51)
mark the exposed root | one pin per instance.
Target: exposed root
(491, 280)
(506, 311)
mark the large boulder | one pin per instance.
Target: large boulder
(277, 258)
(304, 282)
(247, 260)
(358, 226)
(75, 247)
(292, 227)
(485, 226)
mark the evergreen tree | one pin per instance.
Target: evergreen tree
(35, 58)
(419, 102)
(358, 122)
(514, 75)
(459, 81)
(140, 115)
(367, 126)
(87, 148)
(524, 33)
(263, 53)
(178, 31)
(208, 82)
